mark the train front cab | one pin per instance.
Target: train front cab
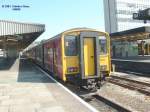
(86, 57)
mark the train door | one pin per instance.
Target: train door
(89, 55)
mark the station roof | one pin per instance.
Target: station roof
(132, 34)
(23, 33)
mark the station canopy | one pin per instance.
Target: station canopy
(21, 34)
(140, 33)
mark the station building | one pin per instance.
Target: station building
(16, 36)
(119, 22)
(132, 42)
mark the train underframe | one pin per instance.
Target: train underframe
(90, 84)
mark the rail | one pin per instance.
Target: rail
(142, 87)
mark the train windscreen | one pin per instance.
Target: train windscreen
(71, 45)
(103, 44)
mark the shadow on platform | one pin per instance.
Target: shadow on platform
(21, 70)
(6, 63)
(29, 72)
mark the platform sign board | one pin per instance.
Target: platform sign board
(135, 16)
(142, 15)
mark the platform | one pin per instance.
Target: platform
(138, 64)
(132, 76)
(25, 88)
(145, 59)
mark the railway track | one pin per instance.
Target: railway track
(111, 106)
(99, 102)
(142, 87)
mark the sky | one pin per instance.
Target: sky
(57, 15)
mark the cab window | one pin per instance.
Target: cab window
(70, 45)
(103, 44)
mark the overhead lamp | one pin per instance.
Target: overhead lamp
(11, 39)
(19, 37)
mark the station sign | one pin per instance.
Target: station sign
(142, 15)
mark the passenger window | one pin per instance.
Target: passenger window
(70, 45)
(103, 44)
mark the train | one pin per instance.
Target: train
(79, 55)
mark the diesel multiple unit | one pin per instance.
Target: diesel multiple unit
(80, 55)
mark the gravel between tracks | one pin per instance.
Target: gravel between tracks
(102, 107)
(131, 99)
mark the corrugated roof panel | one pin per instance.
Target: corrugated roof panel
(11, 28)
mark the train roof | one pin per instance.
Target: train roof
(82, 29)
(70, 30)
(74, 30)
